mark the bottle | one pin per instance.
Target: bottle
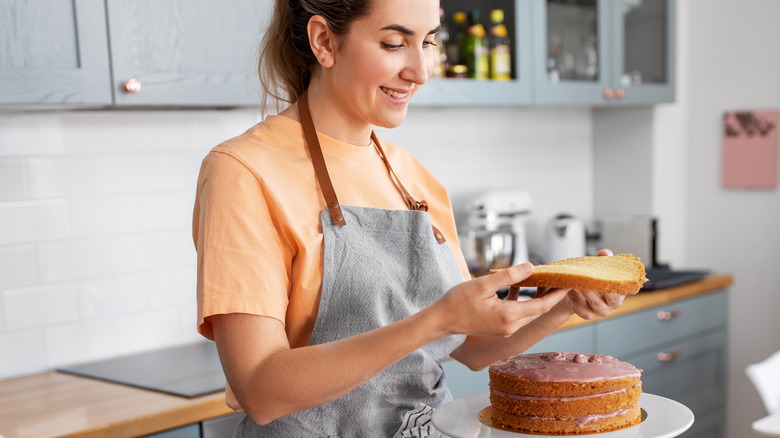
(475, 48)
(500, 48)
(456, 38)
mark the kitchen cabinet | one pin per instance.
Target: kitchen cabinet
(604, 52)
(681, 347)
(463, 92)
(54, 52)
(131, 53)
(185, 52)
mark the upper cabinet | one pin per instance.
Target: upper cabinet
(54, 53)
(202, 53)
(191, 53)
(185, 52)
(604, 52)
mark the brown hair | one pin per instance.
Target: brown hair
(286, 62)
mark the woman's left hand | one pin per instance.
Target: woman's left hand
(589, 304)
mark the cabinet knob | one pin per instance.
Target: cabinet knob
(620, 93)
(608, 93)
(132, 86)
(669, 356)
(666, 315)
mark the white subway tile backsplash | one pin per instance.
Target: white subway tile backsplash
(113, 295)
(147, 330)
(73, 259)
(132, 173)
(185, 248)
(13, 179)
(39, 306)
(170, 210)
(23, 352)
(105, 215)
(62, 176)
(142, 252)
(67, 344)
(172, 288)
(23, 135)
(31, 221)
(17, 266)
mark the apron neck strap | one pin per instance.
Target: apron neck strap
(323, 177)
(320, 169)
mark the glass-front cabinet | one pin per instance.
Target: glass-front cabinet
(597, 52)
(457, 18)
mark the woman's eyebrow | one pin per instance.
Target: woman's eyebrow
(406, 31)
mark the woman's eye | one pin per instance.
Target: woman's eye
(429, 43)
(388, 46)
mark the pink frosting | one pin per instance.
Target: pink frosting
(581, 421)
(561, 399)
(565, 367)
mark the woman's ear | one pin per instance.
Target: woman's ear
(321, 40)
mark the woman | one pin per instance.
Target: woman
(329, 273)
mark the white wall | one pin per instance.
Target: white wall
(96, 254)
(731, 50)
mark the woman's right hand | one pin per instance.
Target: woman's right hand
(473, 308)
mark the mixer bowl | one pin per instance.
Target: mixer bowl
(487, 249)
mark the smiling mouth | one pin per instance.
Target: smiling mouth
(393, 93)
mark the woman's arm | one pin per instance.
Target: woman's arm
(270, 380)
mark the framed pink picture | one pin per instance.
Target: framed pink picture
(750, 149)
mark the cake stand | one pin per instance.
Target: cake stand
(661, 418)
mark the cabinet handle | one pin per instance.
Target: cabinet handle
(132, 86)
(620, 93)
(608, 93)
(665, 315)
(668, 357)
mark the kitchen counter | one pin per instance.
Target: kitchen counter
(54, 404)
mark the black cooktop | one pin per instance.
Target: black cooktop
(662, 277)
(187, 371)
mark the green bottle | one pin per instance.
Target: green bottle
(475, 49)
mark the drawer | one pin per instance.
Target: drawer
(643, 330)
(692, 372)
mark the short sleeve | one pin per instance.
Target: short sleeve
(244, 262)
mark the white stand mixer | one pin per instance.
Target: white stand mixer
(495, 231)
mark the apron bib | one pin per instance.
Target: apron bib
(380, 266)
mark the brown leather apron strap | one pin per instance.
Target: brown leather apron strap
(323, 177)
(320, 169)
(411, 203)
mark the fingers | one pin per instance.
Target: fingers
(508, 276)
(605, 252)
(590, 304)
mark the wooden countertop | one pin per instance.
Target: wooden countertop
(53, 404)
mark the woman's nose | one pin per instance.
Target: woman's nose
(419, 66)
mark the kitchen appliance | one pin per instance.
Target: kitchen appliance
(565, 237)
(188, 371)
(638, 235)
(494, 236)
(634, 234)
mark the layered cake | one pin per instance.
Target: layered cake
(564, 393)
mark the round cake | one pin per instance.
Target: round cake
(564, 393)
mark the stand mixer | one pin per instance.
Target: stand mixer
(495, 230)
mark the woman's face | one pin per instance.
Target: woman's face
(383, 59)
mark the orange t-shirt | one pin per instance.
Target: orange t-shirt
(256, 222)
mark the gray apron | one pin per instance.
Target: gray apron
(380, 266)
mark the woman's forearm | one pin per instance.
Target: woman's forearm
(275, 383)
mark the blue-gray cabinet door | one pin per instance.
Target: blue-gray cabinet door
(644, 51)
(604, 52)
(53, 52)
(572, 46)
(186, 52)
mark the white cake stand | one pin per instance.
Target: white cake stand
(661, 418)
